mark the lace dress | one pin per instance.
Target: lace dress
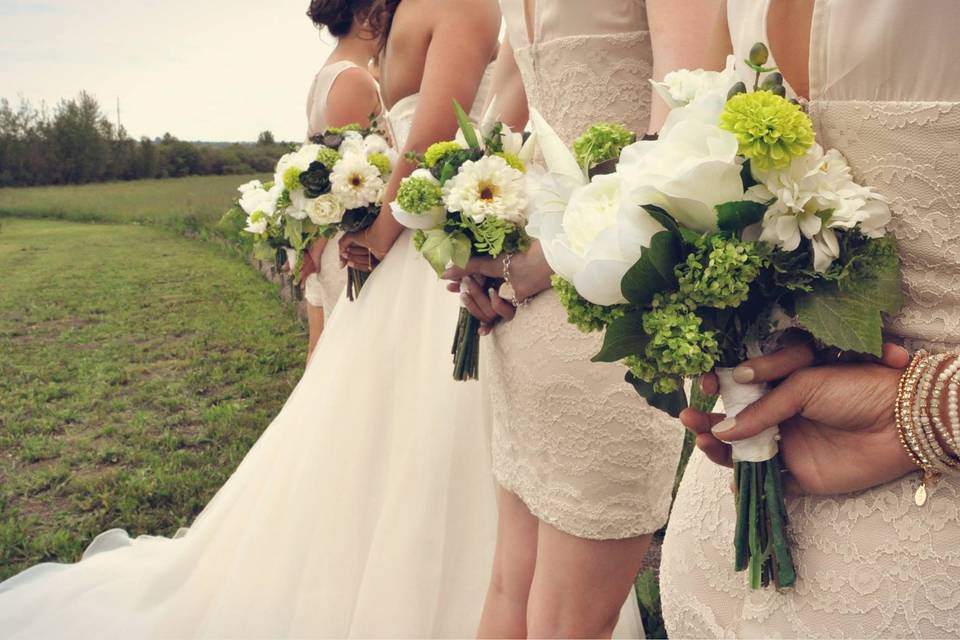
(323, 289)
(871, 564)
(570, 437)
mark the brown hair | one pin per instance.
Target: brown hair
(380, 18)
(338, 15)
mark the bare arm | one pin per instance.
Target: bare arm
(462, 43)
(508, 93)
(353, 98)
(685, 34)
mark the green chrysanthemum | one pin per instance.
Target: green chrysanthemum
(582, 313)
(381, 162)
(771, 130)
(513, 160)
(679, 348)
(291, 179)
(328, 157)
(719, 272)
(438, 150)
(601, 142)
(344, 129)
(419, 195)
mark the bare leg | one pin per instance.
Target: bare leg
(505, 609)
(315, 322)
(580, 585)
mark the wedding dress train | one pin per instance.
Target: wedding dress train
(367, 508)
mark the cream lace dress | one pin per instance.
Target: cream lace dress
(886, 92)
(323, 289)
(575, 442)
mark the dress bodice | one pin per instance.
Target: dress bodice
(400, 115)
(587, 61)
(319, 91)
(891, 104)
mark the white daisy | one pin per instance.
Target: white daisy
(356, 182)
(487, 187)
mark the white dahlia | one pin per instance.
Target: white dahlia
(487, 187)
(356, 182)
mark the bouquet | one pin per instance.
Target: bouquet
(467, 197)
(732, 227)
(333, 183)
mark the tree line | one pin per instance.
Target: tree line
(77, 144)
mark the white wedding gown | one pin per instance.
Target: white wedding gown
(367, 508)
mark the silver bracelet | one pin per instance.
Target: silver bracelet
(506, 289)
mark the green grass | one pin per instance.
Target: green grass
(191, 203)
(136, 367)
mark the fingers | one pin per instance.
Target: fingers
(710, 384)
(717, 451)
(895, 356)
(470, 287)
(455, 273)
(780, 404)
(503, 308)
(777, 365)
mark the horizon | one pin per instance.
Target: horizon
(232, 60)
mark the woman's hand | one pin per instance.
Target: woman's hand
(363, 250)
(480, 297)
(529, 271)
(311, 259)
(837, 426)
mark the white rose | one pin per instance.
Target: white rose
(597, 238)
(691, 169)
(680, 88)
(375, 143)
(353, 144)
(327, 209)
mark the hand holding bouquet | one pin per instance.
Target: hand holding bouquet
(736, 226)
(334, 182)
(468, 197)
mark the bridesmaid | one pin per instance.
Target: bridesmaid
(871, 562)
(585, 467)
(343, 92)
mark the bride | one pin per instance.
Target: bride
(367, 507)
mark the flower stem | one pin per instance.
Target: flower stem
(355, 282)
(466, 347)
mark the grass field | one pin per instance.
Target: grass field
(193, 203)
(136, 366)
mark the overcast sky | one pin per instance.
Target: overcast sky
(200, 69)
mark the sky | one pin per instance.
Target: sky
(213, 70)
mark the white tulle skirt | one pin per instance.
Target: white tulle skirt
(367, 508)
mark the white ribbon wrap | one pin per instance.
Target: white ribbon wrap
(291, 259)
(737, 397)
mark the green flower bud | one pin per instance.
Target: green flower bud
(759, 54)
(736, 90)
(778, 90)
(774, 79)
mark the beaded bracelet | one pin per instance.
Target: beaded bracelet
(920, 395)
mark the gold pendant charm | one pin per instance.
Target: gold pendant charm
(920, 497)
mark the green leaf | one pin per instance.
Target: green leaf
(463, 120)
(293, 232)
(437, 249)
(653, 272)
(670, 403)
(735, 216)
(664, 218)
(263, 251)
(851, 319)
(460, 249)
(624, 337)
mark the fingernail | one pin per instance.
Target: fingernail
(744, 374)
(491, 292)
(464, 298)
(723, 427)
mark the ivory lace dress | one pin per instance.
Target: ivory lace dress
(570, 438)
(885, 91)
(323, 289)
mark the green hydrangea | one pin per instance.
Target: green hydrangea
(582, 313)
(291, 179)
(328, 157)
(381, 162)
(438, 151)
(513, 160)
(679, 347)
(771, 130)
(646, 370)
(419, 195)
(601, 142)
(719, 272)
